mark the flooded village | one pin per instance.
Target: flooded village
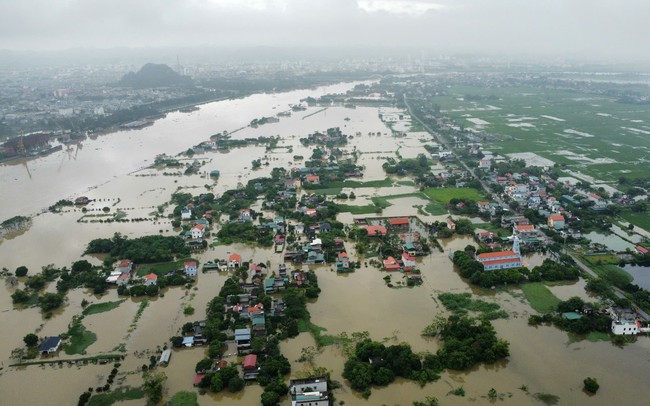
(296, 247)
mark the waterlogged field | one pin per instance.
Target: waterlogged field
(358, 301)
(591, 134)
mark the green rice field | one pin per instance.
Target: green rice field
(590, 133)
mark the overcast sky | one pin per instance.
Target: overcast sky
(601, 28)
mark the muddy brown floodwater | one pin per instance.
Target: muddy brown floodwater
(112, 170)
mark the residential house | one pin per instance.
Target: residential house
(310, 212)
(275, 284)
(312, 179)
(50, 345)
(411, 249)
(123, 279)
(243, 340)
(555, 221)
(188, 341)
(399, 225)
(309, 392)
(150, 279)
(625, 327)
(197, 232)
(315, 257)
(203, 221)
(391, 264)
(375, 231)
(234, 261)
(624, 321)
(451, 225)
(186, 213)
(342, 262)
(259, 325)
(486, 237)
(525, 230)
(279, 239)
(483, 207)
(408, 261)
(485, 164)
(124, 266)
(316, 245)
(250, 363)
(245, 215)
(190, 268)
(339, 244)
(641, 250)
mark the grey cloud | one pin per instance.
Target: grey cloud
(591, 27)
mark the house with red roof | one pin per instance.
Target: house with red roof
(555, 221)
(408, 261)
(234, 261)
(123, 279)
(250, 362)
(641, 250)
(524, 229)
(198, 378)
(342, 262)
(197, 232)
(125, 266)
(391, 264)
(312, 179)
(150, 279)
(400, 224)
(310, 212)
(375, 231)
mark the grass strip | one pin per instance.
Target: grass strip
(540, 297)
(96, 308)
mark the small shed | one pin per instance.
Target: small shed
(198, 378)
(164, 357)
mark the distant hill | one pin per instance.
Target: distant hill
(154, 75)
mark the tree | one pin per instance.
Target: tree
(21, 271)
(236, 384)
(591, 385)
(216, 383)
(203, 365)
(31, 340)
(358, 373)
(177, 341)
(20, 296)
(270, 399)
(50, 301)
(36, 282)
(153, 386)
(81, 266)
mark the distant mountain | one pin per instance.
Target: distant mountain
(154, 75)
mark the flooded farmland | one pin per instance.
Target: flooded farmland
(112, 170)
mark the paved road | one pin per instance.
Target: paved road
(617, 291)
